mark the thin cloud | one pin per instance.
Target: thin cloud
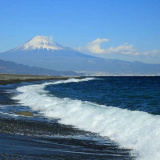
(94, 47)
(124, 49)
(153, 52)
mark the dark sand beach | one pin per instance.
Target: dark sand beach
(18, 137)
(26, 134)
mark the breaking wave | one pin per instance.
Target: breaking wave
(134, 130)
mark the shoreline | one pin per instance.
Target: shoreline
(17, 78)
(35, 137)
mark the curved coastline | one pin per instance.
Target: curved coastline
(37, 138)
(17, 78)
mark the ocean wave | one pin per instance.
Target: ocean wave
(134, 130)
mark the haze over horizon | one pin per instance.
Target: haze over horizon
(113, 29)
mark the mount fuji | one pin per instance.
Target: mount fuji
(40, 42)
(42, 52)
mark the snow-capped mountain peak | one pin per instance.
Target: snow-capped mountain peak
(41, 42)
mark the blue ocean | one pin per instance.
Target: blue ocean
(113, 118)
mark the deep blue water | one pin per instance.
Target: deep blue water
(133, 93)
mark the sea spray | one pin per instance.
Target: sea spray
(130, 129)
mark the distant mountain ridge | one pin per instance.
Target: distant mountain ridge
(14, 68)
(43, 52)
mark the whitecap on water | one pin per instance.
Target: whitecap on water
(134, 130)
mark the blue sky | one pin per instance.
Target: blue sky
(119, 29)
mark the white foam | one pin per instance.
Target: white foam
(135, 130)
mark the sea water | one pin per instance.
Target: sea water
(124, 109)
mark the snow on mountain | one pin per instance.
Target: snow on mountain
(42, 52)
(40, 42)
